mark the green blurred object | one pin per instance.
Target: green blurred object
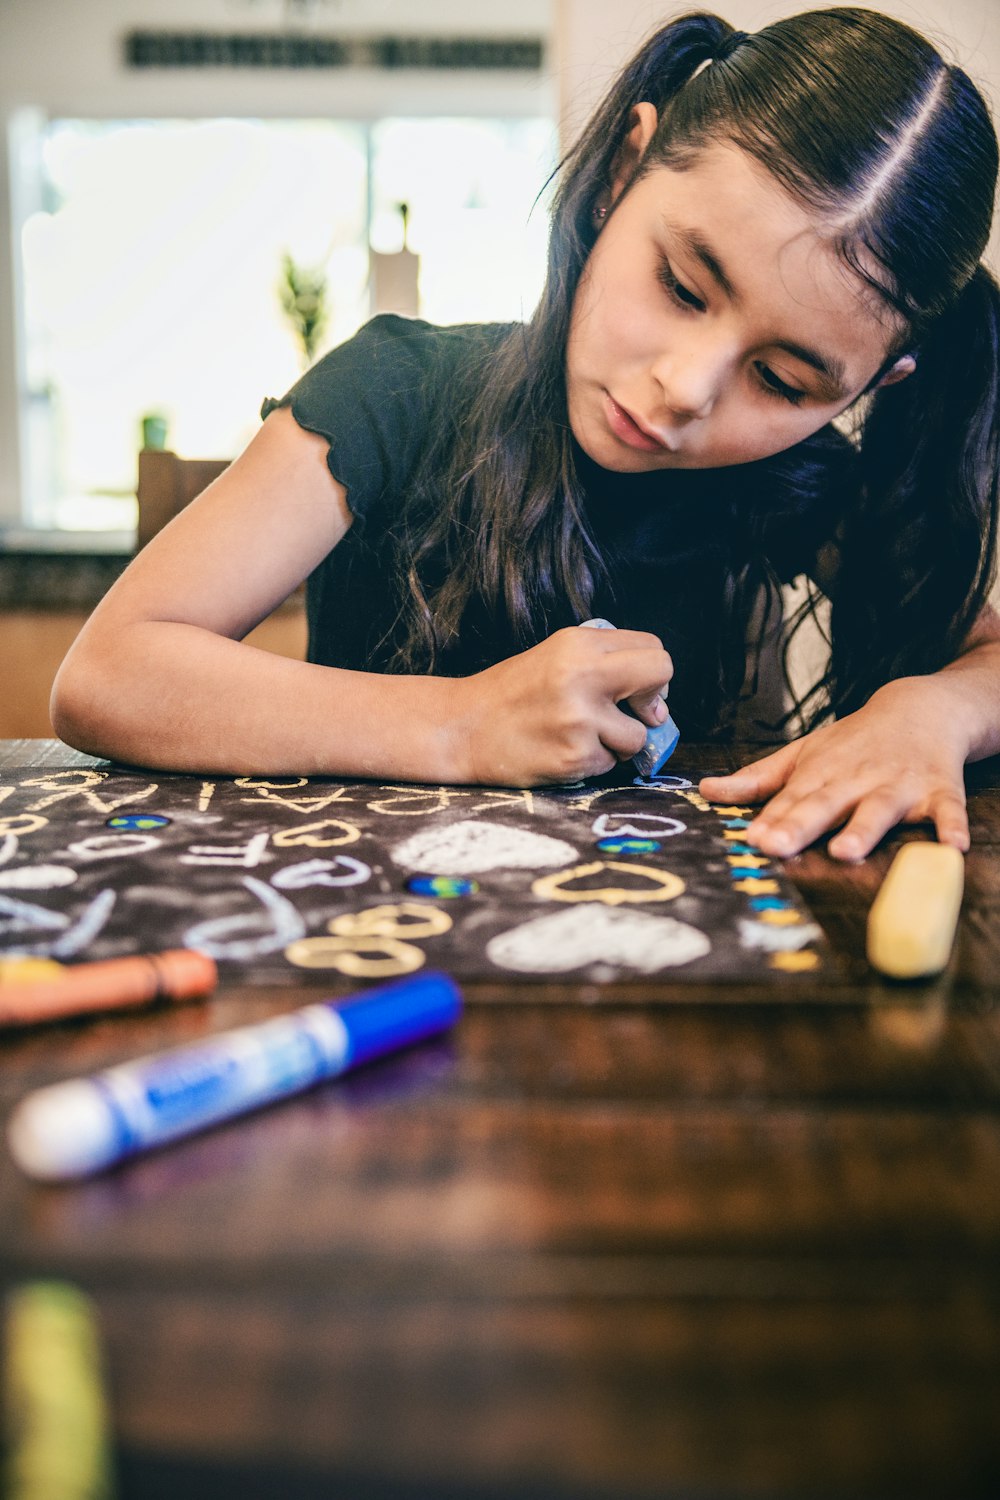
(57, 1437)
(303, 292)
(154, 431)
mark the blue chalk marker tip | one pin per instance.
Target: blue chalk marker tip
(661, 742)
(79, 1127)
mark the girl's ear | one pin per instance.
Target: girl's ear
(642, 127)
(905, 365)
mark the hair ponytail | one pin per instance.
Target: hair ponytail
(657, 72)
(918, 550)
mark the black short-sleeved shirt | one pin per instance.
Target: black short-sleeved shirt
(667, 538)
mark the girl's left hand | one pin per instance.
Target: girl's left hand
(899, 759)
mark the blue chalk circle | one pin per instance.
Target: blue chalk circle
(625, 845)
(441, 885)
(136, 822)
(768, 903)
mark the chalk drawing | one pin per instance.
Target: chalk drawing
(519, 798)
(318, 835)
(415, 801)
(315, 804)
(283, 925)
(83, 931)
(113, 845)
(73, 936)
(566, 940)
(37, 878)
(23, 916)
(343, 870)
(357, 957)
(237, 856)
(62, 785)
(662, 783)
(777, 939)
(284, 784)
(663, 886)
(136, 822)
(21, 823)
(471, 848)
(402, 919)
(621, 825)
(797, 962)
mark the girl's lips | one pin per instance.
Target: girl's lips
(627, 429)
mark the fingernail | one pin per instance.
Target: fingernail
(847, 847)
(659, 710)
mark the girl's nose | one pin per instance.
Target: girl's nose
(690, 380)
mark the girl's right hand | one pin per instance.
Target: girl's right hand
(551, 714)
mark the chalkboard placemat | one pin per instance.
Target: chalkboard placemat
(277, 876)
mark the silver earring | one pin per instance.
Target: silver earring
(600, 213)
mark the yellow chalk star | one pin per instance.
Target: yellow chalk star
(738, 835)
(733, 812)
(757, 887)
(747, 861)
(780, 916)
(797, 962)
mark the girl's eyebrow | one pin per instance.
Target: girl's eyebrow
(831, 368)
(701, 250)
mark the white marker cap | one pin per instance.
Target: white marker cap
(63, 1131)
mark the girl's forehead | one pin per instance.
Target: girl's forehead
(762, 245)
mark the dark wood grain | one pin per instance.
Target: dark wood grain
(642, 1240)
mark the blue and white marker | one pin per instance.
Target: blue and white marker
(79, 1127)
(661, 742)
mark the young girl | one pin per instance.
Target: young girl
(755, 236)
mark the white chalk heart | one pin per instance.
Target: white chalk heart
(471, 848)
(595, 934)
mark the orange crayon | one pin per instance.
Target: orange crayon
(114, 984)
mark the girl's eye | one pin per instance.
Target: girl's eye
(677, 290)
(775, 386)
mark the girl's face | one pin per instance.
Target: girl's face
(713, 324)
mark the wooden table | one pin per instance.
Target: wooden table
(663, 1240)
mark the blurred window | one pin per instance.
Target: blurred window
(153, 260)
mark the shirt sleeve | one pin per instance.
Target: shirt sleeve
(370, 399)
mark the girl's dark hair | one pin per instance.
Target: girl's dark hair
(862, 121)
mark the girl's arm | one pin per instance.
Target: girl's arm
(160, 676)
(898, 759)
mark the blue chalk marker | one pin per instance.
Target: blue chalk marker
(73, 1129)
(661, 742)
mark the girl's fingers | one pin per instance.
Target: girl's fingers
(876, 809)
(877, 812)
(795, 818)
(951, 819)
(639, 673)
(755, 782)
(621, 734)
(649, 707)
